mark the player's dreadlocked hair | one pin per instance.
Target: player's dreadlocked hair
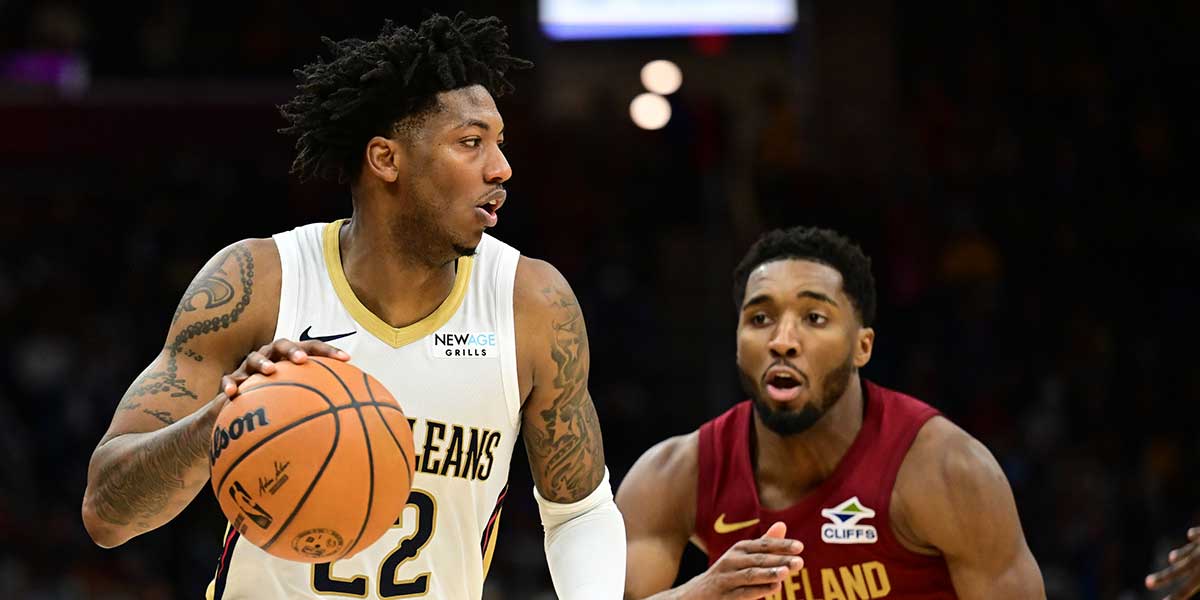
(370, 86)
(818, 245)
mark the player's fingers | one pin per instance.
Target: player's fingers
(229, 387)
(777, 530)
(285, 348)
(754, 592)
(1178, 568)
(764, 561)
(757, 576)
(1185, 592)
(257, 362)
(1188, 590)
(770, 546)
(1182, 552)
(1160, 579)
(1178, 562)
(318, 348)
(1194, 534)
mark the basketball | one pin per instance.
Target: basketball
(312, 463)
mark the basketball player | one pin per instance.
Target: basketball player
(1183, 570)
(475, 341)
(882, 495)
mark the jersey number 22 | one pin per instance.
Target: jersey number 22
(390, 585)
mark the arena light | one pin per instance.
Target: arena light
(662, 77)
(650, 111)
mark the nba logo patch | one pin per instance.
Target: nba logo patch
(845, 528)
(463, 345)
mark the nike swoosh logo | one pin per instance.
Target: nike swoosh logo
(720, 526)
(304, 337)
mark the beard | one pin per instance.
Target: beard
(461, 250)
(787, 422)
(421, 230)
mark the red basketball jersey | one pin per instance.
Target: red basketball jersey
(850, 552)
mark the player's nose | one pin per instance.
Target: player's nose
(784, 340)
(497, 169)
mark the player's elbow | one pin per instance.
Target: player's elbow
(103, 533)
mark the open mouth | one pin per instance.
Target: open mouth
(783, 385)
(487, 210)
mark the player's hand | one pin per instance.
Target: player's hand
(1183, 569)
(750, 569)
(263, 360)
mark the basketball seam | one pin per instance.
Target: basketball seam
(329, 411)
(399, 446)
(337, 433)
(333, 410)
(370, 458)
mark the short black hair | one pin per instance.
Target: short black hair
(824, 246)
(368, 87)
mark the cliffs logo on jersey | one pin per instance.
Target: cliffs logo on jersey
(845, 528)
(463, 345)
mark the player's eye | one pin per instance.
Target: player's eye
(817, 318)
(472, 142)
(759, 319)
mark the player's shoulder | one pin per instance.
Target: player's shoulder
(943, 462)
(541, 294)
(949, 488)
(942, 445)
(239, 288)
(666, 472)
(674, 456)
(256, 260)
(535, 275)
(659, 491)
(263, 249)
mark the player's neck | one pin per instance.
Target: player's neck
(393, 282)
(786, 468)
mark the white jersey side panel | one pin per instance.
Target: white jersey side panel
(454, 374)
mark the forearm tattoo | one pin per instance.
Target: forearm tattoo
(565, 441)
(135, 487)
(138, 487)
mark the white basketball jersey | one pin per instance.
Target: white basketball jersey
(455, 375)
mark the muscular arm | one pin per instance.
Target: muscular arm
(584, 536)
(954, 498)
(658, 501)
(153, 459)
(559, 423)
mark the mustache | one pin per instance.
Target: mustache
(492, 192)
(786, 363)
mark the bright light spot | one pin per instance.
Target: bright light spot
(662, 77)
(650, 111)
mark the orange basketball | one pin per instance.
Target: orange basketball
(314, 462)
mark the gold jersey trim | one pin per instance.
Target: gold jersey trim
(392, 336)
(491, 547)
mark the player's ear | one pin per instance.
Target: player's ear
(865, 344)
(383, 158)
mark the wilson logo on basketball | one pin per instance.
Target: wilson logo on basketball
(237, 428)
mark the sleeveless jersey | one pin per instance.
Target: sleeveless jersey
(455, 375)
(850, 552)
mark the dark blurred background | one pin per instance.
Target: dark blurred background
(1020, 171)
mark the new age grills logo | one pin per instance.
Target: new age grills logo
(463, 345)
(845, 528)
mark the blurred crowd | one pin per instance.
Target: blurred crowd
(1034, 233)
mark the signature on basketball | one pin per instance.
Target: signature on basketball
(270, 485)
